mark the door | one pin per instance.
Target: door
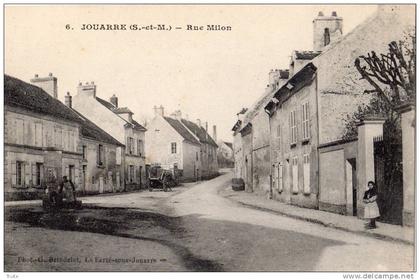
(140, 172)
(84, 177)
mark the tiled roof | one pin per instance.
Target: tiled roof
(306, 55)
(17, 93)
(107, 104)
(180, 128)
(298, 81)
(200, 132)
(137, 125)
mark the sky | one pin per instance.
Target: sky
(208, 75)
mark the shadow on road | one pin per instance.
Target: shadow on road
(235, 246)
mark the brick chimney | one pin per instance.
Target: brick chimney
(114, 100)
(89, 89)
(67, 100)
(48, 84)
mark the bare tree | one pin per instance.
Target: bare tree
(392, 75)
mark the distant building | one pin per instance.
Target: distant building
(44, 139)
(170, 144)
(119, 123)
(178, 143)
(225, 154)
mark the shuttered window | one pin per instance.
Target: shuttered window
(295, 186)
(280, 177)
(293, 127)
(173, 148)
(20, 131)
(305, 121)
(38, 134)
(306, 174)
(20, 171)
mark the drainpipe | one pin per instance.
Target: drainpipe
(317, 136)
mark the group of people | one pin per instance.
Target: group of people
(65, 189)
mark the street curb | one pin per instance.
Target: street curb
(319, 222)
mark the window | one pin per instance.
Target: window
(131, 173)
(140, 147)
(39, 173)
(306, 174)
(100, 156)
(326, 36)
(278, 131)
(295, 178)
(293, 128)
(130, 145)
(305, 121)
(58, 137)
(196, 156)
(173, 148)
(71, 173)
(84, 151)
(20, 173)
(19, 131)
(280, 177)
(38, 134)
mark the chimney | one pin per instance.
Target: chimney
(48, 84)
(214, 133)
(326, 29)
(67, 100)
(177, 114)
(114, 100)
(199, 122)
(159, 111)
(87, 89)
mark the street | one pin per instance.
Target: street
(192, 228)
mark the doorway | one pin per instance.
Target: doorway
(351, 185)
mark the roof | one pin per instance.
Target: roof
(182, 130)
(200, 132)
(306, 55)
(18, 93)
(229, 144)
(92, 131)
(119, 110)
(298, 81)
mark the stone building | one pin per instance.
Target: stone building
(254, 144)
(179, 142)
(119, 123)
(208, 150)
(170, 144)
(225, 157)
(45, 139)
(338, 168)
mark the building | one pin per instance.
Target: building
(225, 158)
(44, 139)
(252, 139)
(119, 123)
(170, 144)
(314, 166)
(208, 150)
(179, 143)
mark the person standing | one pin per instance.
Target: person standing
(371, 207)
(69, 190)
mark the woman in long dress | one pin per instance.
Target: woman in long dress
(371, 207)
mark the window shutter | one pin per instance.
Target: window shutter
(13, 172)
(306, 174)
(280, 177)
(33, 168)
(295, 176)
(118, 156)
(27, 179)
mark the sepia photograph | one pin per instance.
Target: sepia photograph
(210, 138)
